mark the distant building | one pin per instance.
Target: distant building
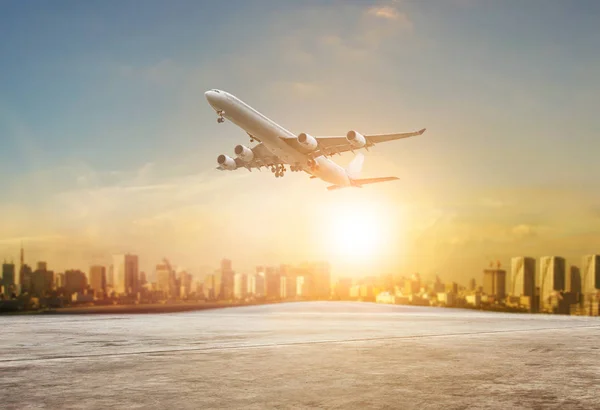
(522, 277)
(494, 283)
(165, 280)
(98, 280)
(573, 284)
(8, 279)
(272, 283)
(41, 281)
(282, 287)
(472, 285)
(474, 299)
(551, 279)
(185, 284)
(125, 272)
(590, 275)
(75, 282)
(226, 273)
(240, 286)
(342, 288)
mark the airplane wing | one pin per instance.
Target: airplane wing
(337, 145)
(262, 158)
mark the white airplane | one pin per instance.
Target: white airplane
(279, 147)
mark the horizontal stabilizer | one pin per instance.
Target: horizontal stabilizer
(358, 183)
(365, 181)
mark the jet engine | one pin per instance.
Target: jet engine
(244, 153)
(308, 142)
(226, 162)
(355, 139)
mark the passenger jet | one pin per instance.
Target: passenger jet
(278, 147)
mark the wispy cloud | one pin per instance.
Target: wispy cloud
(391, 13)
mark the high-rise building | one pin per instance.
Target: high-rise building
(125, 271)
(272, 283)
(8, 279)
(240, 286)
(98, 280)
(226, 273)
(494, 283)
(165, 280)
(59, 281)
(322, 280)
(590, 275)
(472, 285)
(573, 284)
(185, 284)
(110, 277)
(42, 280)
(551, 278)
(522, 277)
(75, 282)
(282, 287)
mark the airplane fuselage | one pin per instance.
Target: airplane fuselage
(272, 136)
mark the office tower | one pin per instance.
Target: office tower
(98, 280)
(494, 283)
(240, 286)
(8, 278)
(226, 273)
(574, 280)
(322, 280)
(472, 285)
(259, 286)
(42, 266)
(164, 280)
(282, 287)
(251, 284)
(185, 284)
(272, 283)
(75, 282)
(42, 280)
(110, 277)
(551, 277)
(522, 277)
(125, 272)
(590, 275)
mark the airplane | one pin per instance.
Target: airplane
(278, 147)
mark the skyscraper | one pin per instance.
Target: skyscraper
(522, 276)
(590, 275)
(551, 277)
(573, 280)
(226, 291)
(75, 282)
(494, 283)
(98, 280)
(125, 272)
(8, 278)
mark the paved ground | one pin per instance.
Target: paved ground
(313, 355)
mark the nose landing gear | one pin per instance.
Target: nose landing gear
(220, 119)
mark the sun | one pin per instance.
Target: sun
(356, 234)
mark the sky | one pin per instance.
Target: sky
(107, 144)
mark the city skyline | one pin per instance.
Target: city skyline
(109, 148)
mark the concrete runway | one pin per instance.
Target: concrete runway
(302, 355)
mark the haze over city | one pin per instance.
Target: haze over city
(108, 145)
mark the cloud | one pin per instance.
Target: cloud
(392, 14)
(524, 231)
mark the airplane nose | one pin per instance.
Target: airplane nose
(209, 95)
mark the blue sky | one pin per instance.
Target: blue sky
(104, 126)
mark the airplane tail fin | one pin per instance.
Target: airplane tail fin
(355, 166)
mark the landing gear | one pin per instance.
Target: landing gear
(278, 170)
(221, 118)
(313, 165)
